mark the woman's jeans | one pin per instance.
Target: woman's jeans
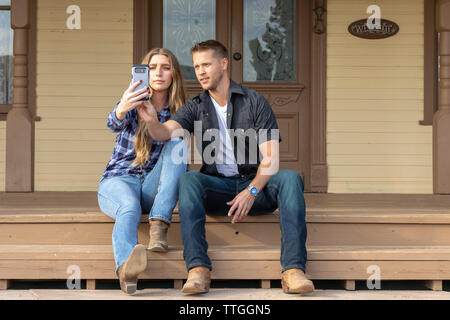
(125, 198)
(201, 194)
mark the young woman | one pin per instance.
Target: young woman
(142, 175)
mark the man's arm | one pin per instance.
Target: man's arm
(158, 131)
(268, 167)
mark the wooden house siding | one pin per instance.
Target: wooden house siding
(81, 74)
(2, 154)
(375, 143)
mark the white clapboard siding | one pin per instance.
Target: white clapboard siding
(375, 102)
(81, 74)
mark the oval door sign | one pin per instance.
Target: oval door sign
(360, 29)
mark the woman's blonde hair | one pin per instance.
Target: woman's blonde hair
(177, 98)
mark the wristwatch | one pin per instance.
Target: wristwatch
(253, 191)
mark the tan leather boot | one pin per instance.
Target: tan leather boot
(128, 272)
(295, 281)
(158, 236)
(199, 280)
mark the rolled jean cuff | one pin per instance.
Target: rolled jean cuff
(169, 221)
(198, 264)
(295, 266)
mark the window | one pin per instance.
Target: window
(6, 56)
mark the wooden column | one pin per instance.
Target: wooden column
(20, 122)
(441, 120)
(319, 165)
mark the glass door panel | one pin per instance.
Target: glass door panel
(269, 41)
(186, 22)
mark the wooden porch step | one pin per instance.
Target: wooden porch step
(324, 228)
(231, 262)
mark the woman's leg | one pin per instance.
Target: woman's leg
(160, 188)
(120, 198)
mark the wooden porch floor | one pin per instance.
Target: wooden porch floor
(379, 204)
(406, 236)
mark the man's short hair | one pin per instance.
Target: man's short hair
(219, 49)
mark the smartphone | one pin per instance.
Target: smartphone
(141, 72)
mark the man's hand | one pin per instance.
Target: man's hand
(242, 203)
(147, 112)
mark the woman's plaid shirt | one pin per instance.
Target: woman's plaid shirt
(124, 154)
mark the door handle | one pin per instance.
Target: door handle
(237, 56)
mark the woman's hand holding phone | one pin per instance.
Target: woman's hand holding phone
(131, 99)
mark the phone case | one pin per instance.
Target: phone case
(140, 72)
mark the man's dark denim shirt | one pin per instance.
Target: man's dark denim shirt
(247, 109)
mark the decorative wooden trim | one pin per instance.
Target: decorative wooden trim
(20, 120)
(4, 108)
(140, 29)
(318, 102)
(430, 85)
(32, 61)
(441, 120)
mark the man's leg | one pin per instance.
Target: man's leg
(287, 188)
(194, 189)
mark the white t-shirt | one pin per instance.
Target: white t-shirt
(226, 162)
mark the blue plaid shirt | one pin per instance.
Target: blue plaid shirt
(124, 154)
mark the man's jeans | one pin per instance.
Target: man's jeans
(200, 192)
(124, 198)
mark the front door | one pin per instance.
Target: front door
(269, 46)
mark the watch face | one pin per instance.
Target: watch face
(254, 191)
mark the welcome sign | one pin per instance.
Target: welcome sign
(385, 29)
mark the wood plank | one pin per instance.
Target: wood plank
(90, 284)
(349, 285)
(4, 284)
(265, 284)
(225, 233)
(435, 285)
(387, 138)
(79, 207)
(178, 284)
(380, 149)
(258, 270)
(231, 253)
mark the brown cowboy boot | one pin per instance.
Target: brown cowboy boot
(295, 281)
(158, 236)
(199, 280)
(128, 272)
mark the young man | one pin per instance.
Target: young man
(233, 179)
